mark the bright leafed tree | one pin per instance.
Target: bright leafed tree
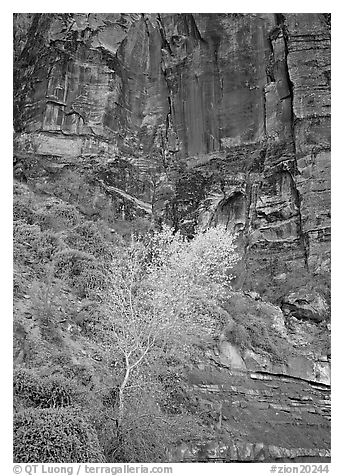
(164, 299)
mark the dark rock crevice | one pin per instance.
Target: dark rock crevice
(284, 31)
(281, 22)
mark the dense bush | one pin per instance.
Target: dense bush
(54, 436)
(238, 335)
(46, 392)
(57, 215)
(47, 297)
(23, 208)
(88, 237)
(80, 188)
(148, 433)
(23, 199)
(22, 279)
(82, 271)
(32, 246)
(263, 337)
(48, 213)
(88, 316)
(252, 328)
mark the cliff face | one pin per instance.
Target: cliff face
(199, 119)
(231, 111)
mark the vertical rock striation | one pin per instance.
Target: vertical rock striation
(309, 64)
(232, 110)
(200, 119)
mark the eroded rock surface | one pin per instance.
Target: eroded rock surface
(237, 104)
(260, 417)
(200, 119)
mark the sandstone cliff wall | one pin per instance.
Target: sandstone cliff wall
(230, 110)
(199, 119)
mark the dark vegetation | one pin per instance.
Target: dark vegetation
(43, 392)
(54, 436)
(252, 328)
(278, 281)
(66, 381)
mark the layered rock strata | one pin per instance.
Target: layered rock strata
(230, 110)
(260, 417)
(200, 119)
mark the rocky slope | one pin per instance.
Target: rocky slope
(262, 418)
(263, 408)
(199, 119)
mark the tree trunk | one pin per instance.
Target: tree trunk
(121, 392)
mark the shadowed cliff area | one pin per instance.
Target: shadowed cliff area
(125, 123)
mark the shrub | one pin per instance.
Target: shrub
(23, 203)
(23, 209)
(69, 186)
(47, 298)
(88, 238)
(253, 327)
(43, 392)
(87, 316)
(32, 246)
(82, 271)
(91, 282)
(21, 279)
(147, 433)
(57, 215)
(54, 436)
(238, 336)
(263, 338)
(173, 398)
(20, 188)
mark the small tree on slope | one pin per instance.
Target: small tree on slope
(164, 299)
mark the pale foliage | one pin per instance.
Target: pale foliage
(186, 279)
(164, 297)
